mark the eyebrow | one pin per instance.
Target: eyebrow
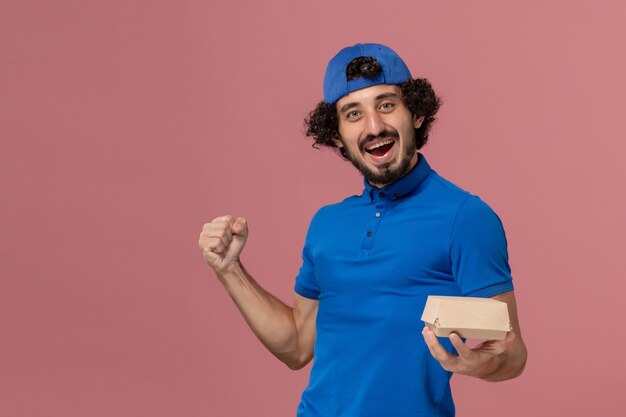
(348, 106)
(386, 95)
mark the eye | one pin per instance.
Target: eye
(387, 106)
(353, 115)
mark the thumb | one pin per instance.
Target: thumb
(240, 228)
(510, 336)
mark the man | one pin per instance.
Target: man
(370, 261)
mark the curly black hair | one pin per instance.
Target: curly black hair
(322, 124)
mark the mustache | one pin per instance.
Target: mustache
(384, 134)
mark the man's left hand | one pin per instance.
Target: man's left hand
(479, 361)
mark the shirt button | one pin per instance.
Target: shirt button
(396, 196)
(377, 214)
(369, 234)
(381, 194)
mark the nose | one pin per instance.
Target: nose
(374, 124)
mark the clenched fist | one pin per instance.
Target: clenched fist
(222, 240)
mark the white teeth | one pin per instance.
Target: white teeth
(378, 145)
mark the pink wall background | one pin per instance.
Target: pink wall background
(125, 125)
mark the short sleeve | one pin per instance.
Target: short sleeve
(306, 282)
(478, 251)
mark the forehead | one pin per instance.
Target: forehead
(368, 94)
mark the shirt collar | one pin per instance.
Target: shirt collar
(401, 187)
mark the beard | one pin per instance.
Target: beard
(384, 174)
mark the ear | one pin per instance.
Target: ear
(339, 145)
(418, 121)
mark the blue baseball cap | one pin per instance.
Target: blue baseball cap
(336, 84)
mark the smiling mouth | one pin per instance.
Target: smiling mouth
(381, 148)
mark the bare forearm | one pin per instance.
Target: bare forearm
(289, 333)
(512, 362)
(271, 320)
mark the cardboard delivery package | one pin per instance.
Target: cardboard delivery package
(469, 317)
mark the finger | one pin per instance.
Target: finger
(228, 219)
(219, 229)
(240, 227)
(479, 346)
(211, 257)
(510, 336)
(462, 349)
(438, 351)
(215, 233)
(226, 236)
(499, 346)
(213, 244)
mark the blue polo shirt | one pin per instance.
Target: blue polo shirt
(371, 261)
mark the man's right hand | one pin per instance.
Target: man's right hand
(222, 240)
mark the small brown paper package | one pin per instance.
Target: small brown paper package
(469, 317)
